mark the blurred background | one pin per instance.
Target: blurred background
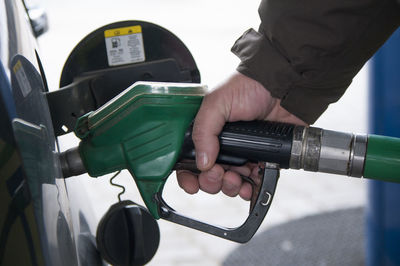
(209, 29)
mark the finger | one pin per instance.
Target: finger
(256, 174)
(188, 181)
(207, 126)
(231, 184)
(211, 181)
(243, 170)
(245, 191)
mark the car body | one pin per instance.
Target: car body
(37, 226)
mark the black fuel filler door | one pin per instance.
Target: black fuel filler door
(112, 58)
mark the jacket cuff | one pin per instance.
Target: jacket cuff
(256, 52)
(308, 103)
(279, 77)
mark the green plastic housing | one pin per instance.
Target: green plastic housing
(142, 130)
(383, 158)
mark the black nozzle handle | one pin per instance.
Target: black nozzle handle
(249, 141)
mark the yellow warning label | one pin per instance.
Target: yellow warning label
(17, 66)
(122, 31)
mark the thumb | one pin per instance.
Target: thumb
(208, 124)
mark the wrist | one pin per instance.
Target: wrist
(278, 113)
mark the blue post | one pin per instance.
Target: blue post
(383, 210)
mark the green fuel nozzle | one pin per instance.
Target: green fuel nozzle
(142, 130)
(147, 130)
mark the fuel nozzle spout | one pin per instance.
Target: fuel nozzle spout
(319, 150)
(71, 163)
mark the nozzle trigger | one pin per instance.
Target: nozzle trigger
(260, 203)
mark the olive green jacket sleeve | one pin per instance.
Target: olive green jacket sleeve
(306, 52)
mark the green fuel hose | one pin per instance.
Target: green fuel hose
(368, 156)
(382, 160)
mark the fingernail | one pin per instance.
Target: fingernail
(201, 159)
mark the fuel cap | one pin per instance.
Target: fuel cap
(127, 235)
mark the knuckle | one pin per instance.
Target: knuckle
(198, 134)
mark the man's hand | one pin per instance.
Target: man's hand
(240, 98)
